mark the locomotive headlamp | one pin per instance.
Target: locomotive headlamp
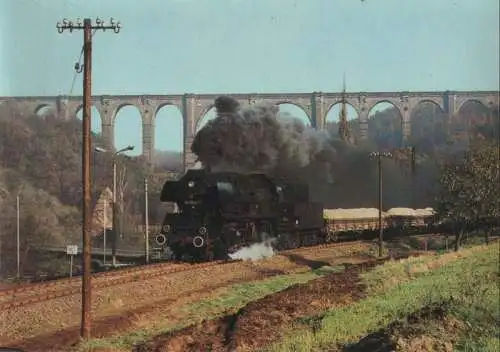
(202, 230)
(191, 184)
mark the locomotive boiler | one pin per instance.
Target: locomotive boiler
(219, 213)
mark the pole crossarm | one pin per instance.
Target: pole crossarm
(405, 157)
(87, 28)
(78, 24)
(381, 154)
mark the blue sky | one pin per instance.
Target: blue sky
(224, 46)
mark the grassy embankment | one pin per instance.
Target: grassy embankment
(395, 290)
(464, 283)
(228, 300)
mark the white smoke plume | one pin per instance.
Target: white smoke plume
(256, 251)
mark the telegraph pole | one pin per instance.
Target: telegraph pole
(87, 28)
(379, 156)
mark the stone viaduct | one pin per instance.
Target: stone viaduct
(194, 106)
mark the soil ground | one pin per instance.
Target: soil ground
(255, 325)
(429, 329)
(262, 321)
(35, 331)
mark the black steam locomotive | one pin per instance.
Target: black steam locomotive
(220, 213)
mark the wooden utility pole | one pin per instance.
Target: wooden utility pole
(87, 148)
(379, 156)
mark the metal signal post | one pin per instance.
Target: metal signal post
(87, 28)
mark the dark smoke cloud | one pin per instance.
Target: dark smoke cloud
(258, 139)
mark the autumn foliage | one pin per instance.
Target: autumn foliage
(40, 162)
(469, 190)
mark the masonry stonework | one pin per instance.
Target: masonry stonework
(193, 107)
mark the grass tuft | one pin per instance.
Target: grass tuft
(467, 278)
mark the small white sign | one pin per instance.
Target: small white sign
(71, 249)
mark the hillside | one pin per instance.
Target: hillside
(40, 160)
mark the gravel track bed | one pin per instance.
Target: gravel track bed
(34, 290)
(25, 323)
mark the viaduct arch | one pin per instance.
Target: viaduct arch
(193, 107)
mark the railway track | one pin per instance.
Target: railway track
(39, 292)
(73, 281)
(29, 289)
(35, 293)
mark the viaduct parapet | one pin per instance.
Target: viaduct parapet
(194, 106)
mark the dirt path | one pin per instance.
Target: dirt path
(262, 321)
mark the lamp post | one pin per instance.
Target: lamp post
(146, 218)
(104, 223)
(115, 154)
(379, 156)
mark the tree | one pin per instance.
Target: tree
(483, 161)
(469, 192)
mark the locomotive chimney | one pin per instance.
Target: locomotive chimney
(226, 104)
